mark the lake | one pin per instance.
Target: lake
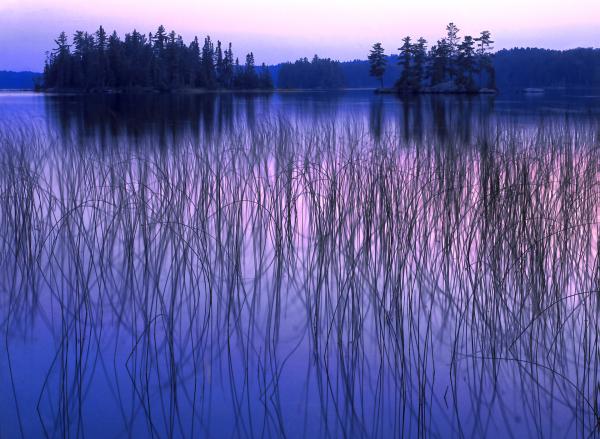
(319, 264)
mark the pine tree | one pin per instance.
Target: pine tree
(208, 64)
(194, 61)
(172, 60)
(420, 60)
(60, 62)
(219, 64)
(250, 78)
(452, 41)
(484, 57)
(439, 58)
(452, 38)
(406, 81)
(115, 60)
(84, 61)
(101, 62)
(159, 63)
(466, 64)
(228, 66)
(237, 74)
(265, 79)
(78, 59)
(378, 62)
(160, 39)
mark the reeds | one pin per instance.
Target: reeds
(282, 280)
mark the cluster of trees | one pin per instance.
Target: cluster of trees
(451, 64)
(161, 61)
(319, 73)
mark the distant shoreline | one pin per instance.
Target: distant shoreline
(425, 91)
(192, 91)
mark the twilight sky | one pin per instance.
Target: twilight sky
(287, 29)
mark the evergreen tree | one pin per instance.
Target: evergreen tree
(101, 64)
(250, 78)
(194, 63)
(78, 59)
(140, 56)
(378, 62)
(406, 81)
(173, 56)
(452, 41)
(439, 58)
(265, 81)
(158, 61)
(115, 61)
(84, 62)
(452, 38)
(208, 65)
(220, 65)
(237, 74)
(420, 61)
(484, 58)
(58, 66)
(228, 66)
(466, 64)
(160, 40)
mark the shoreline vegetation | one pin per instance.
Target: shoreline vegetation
(451, 66)
(156, 62)
(161, 62)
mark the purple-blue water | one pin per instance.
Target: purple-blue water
(299, 265)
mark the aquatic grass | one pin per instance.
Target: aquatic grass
(222, 283)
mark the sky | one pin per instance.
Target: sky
(279, 31)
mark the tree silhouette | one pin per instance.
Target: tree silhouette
(378, 62)
(161, 61)
(320, 73)
(453, 41)
(406, 81)
(466, 64)
(448, 67)
(420, 61)
(484, 48)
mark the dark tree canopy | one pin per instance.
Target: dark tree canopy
(320, 73)
(530, 67)
(451, 65)
(161, 61)
(378, 62)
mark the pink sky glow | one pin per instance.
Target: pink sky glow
(285, 30)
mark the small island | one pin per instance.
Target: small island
(451, 66)
(161, 61)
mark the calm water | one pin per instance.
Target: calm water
(300, 265)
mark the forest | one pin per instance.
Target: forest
(319, 73)
(531, 67)
(160, 61)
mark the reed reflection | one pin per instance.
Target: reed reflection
(328, 280)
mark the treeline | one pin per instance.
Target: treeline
(528, 67)
(451, 65)
(161, 61)
(319, 73)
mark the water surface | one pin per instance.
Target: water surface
(299, 265)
